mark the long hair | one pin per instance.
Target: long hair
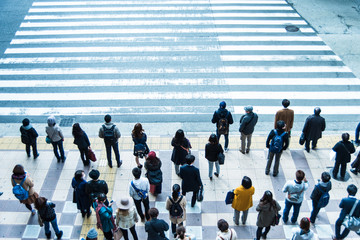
(268, 198)
(179, 137)
(138, 130)
(176, 190)
(40, 202)
(76, 130)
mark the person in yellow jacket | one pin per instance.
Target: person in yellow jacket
(243, 200)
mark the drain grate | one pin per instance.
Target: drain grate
(66, 122)
(292, 28)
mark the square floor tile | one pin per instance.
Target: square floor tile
(195, 209)
(161, 207)
(325, 231)
(31, 231)
(70, 207)
(67, 231)
(195, 230)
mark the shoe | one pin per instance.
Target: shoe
(210, 178)
(192, 205)
(59, 235)
(263, 236)
(243, 152)
(354, 171)
(58, 160)
(143, 219)
(110, 165)
(33, 211)
(63, 160)
(285, 221)
(313, 148)
(36, 156)
(119, 165)
(88, 214)
(140, 166)
(247, 150)
(83, 214)
(48, 235)
(237, 224)
(307, 149)
(267, 173)
(28, 155)
(178, 175)
(226, 149)
(243, 223)
(216, 174)
(175, 235)
(275, 174)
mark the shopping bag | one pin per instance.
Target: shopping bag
(91, 155)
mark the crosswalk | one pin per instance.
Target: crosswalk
(162, 61)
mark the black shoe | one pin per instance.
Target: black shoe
(175, 235)
(243, 152)
(110, 165)
(140, 166)
(59, 235)
(275, 174)
(313, 148)
(354, 171)
(267, 173)
(63, 160)
(263, 236)
(36, 156)
(48, 235)
(1, 193)
(83, 214)
(88, 214)
(28, 155)
(210, 178)
(247, 150)
(216, 174)
(58, 160)
(307, 149)
(119, 164)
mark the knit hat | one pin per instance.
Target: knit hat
(51, 121)
(151, 155)
(248, 108)
(222, 104)
(124, 203)
(94, 174)
(92, 233)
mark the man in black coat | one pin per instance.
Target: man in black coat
(191, 181)
(343, 150)
(219, 115)
(346, 205)
(247, 125)
(28, 137)
(313, 128)
(95, 186)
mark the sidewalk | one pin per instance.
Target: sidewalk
(53, 180)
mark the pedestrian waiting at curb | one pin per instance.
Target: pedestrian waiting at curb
(222, 118)
(176, 205)
(212, 150)
(181, 148)
(279, 142)
(320, 195)
(225, 232)
(343, 150)
(80, 197)
(95, 186)
(82, 141)
(356, 165)
(357, 133)
(57, 138)
(111, 134)
(126, 217)
(29, 137)
(155, 228)
(154, 173)
(139, 191)
(191, 180)
(243, 200)
(303, 232)
(104, 216)
(286, 115)
(313, 128)
(139, 138)
(247, 125)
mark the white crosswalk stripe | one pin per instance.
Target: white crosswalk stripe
(160, 58)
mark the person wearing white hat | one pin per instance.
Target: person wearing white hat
(126, 217)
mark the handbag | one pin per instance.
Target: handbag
(276, 219)
(221, 158)
(302, 139)
(229, 197)
(200, 194)
(48, 140)
(350, 222)
(91, 155)
(118, 234)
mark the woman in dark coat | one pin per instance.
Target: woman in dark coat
(47, 214)
(212, 150)
(268, 209)
(343, 150)
(139, 138)
(181, 148)
(81, 198)
(83, 143)
(154, 173)
(28, 137)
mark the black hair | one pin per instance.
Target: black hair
(345, 137)
(351, 189)
(180, 231)
(26, 122)
(285, 103)
(176, 190)
(78, 175)
(325, 177)
(101, 197)
(76, 130)
(305, 224)
(153, 212)
(246, 182)
(222, 225)
(317, 111)
(280, 124)
(136, 172)
(189, 159)
(299, 175)
(213, 139)
(107, 118)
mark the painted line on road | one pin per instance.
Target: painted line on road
(280, 58)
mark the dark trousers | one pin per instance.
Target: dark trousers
(342, 169)
(315, 211)
(146, 206)
(269, 162)
(313, 144)
(338, 228)
(108, 235)
(259, 232)
(357, 131)
(193, 198)
(287, 208)
(34, 148)
(133, 233)
(84, 155)
(226, 138)
(115, 147)
(173, 227)
(58, 145)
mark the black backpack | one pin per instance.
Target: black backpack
(175, 209)
(223, 124)
(109, 134)
(25, 138)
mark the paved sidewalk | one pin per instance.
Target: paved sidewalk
(53, 180)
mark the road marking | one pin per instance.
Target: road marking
(306, 58)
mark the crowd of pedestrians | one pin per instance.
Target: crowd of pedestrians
(93, 194)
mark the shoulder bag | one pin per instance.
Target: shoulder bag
(350, 222)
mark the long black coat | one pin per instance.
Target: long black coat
(191, 180)
(179, 153)
(81, 197)
(343, 151)
(313, 127)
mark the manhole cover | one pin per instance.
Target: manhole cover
(66, 122)
(292, 28)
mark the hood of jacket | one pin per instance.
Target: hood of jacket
(109, 125)
(222, 112)
(27, 127)
(325, 186)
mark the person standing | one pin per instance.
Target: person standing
(357, 132)
(83, 143)
(279, 142)
(155, 227)
(104, 216)
(303, 232)
(268, 210)
(212, 150)
(138, 190)
(286, 115)
(154, 173)
(313, 128)
(111, 134)
(57, 138)
(191, 180)
(343, 150)
(176, 205)
(225, 232)
(222, 118)
(320, 189)
(82, 199)
(28, 137)
(22, 178)
(346, 205)
(95, 186)
(243, 200)
(181, 148)
(294, 190)
(47, 214)
(247, 125)
(139, 138)
(126, 218)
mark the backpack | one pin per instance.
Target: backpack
(19, 192)
(25, 138)
(175, 209)
(223, 124)
(230, 197)
(141, 193)
(324, 198)
(109, 134)
(276, 144)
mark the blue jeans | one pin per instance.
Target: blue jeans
(56, 145)
(53, 224)
(226, 138)
(287, 208)
(314, 212)
(211, 167)
(115, 147)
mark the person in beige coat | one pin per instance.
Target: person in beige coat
(18, 176)
(286, 115)
(171, 200)
(126, 217)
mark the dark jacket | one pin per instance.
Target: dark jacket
(141, 140)
(82, 141)
(29, 133)
(346, 204)
(179, 153)
(221, 113)
(248, 122)
(212, 151)
(272, 135)
(316, 193)
(190, 176)
(313, 127)
(47, 213)
(343, 151)
(156, 228)
(267, 212)
(82, 199)
(93, 188)
(154, 173)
